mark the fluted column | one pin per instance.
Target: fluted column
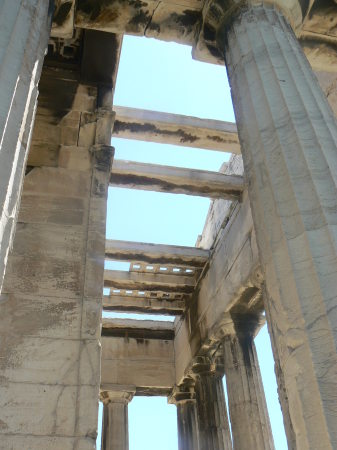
(246, 400)
(115, 430)
(288, 136)
(187, 417)
(24, 32)
(211, 404)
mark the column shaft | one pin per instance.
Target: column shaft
(188, 427)
(24, 32)
(213, 418)
(115, 433)
(246, 400)
(288, 135)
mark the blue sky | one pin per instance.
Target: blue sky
(163, 77)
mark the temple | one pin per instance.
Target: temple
(268, 251)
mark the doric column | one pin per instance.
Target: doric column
(211, 404)
(115, 431)
(187, 417)
(246, 400)
(24, 32)
(288, 136)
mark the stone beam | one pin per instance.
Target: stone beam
(119, 279)
(175, 180)
(143, 305)
(175, 129)
(164, 20)
(155, 253)
(147, 364)
(144, 329)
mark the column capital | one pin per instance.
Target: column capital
(207, 366)
(122, 394)
(218, 14)
(183, 393)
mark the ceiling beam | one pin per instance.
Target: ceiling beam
(119, 279)
(143, 305)
(144, 329)
(175, 180)
(155, 253)
(176, 129)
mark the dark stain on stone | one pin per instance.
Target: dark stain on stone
(148, 128)
(188, 19)
(214, 51)
(217, 139)
(91, 7)
(141, 309)
(103, 158)
(137, 4)
(62, 13)
(209, 33)
(141, 334)
(98, 10)
(138, 21)
(155, 27)
(57, 94)
(304, 4)
(163, 260)
(28, 169)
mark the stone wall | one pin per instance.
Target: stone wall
(50, 308)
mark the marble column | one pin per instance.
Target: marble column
(246, 400)
(187, 417)
(212, 411)
(115, 431)
(288, 135)
(24, 32)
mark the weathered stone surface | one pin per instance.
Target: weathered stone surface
(50, 310)
(211, 405)
(115, 430)
(177, 180)
(175, 129)
(328, 83)
(246, 400)
(24, 31)
(63, 19)
(289, 136)
(51, 302)
(145, 363)
(233, 277)
(14, 442)
(187, 417)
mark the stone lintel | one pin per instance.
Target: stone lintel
(155, 253)
(176, 180)
(175, 129)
